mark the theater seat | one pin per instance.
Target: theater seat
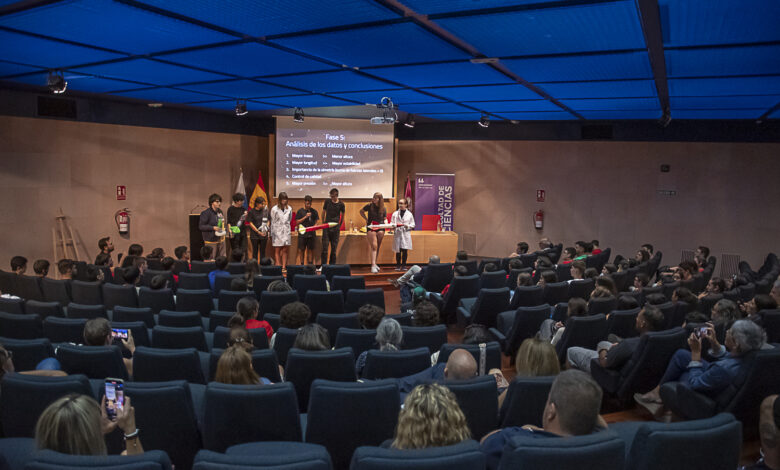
(50, 460)
(476, 398)
(27, 353)
(96, 362)
(463, 456)
(602, 450)
(266, 456)
(525, 400)
(162, 365)
(396, 364)
(305, 366)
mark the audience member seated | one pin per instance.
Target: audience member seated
(18, 265)
(474, 334)
(130, 276)
(707, 377)
(97, 332)
(572, 409)
(775, 292)
(700, 256)
(568, 254)
(426, 314)
(640, 281)
(615, 355)
(577, 271)
(594, 245)
(590, 273)
(430, 417)
(522, 248)
(725, 312)
(207, 254)
(769, 433)
(523, 280)
(238, 285)
(552, 331)
(388, 338)
(279, 286)
(158, 282)
(221, 264)
(534, 358)
(415, 273)
(65, 267)
(458, 271)
(753, 308)
(581, 249)
(369, 316)
(41, 268)
(106, 247)
(606, 282)
(599, 292)
(715, 285)
(247, 310)
(312, 337)
(251, 270)
(642, 256)
(157, 253)
(608, 269)
(293, 316)
(49, 367)
(235, 367)
(547, 277)
(103, 259)
(75, 425)
(460, 365)
(182, 253)
(167, 264)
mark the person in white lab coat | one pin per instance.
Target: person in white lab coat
(402, 237)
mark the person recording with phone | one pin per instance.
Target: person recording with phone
(98, 332)
(75, 425)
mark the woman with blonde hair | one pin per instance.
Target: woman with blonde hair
(75, 425)
(430, 417)
(235, 368)
(535, 358)
(377, 214)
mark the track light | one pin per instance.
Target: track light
(56, 82)
(389, 116)
(484, 121)
(409, 121)
(665, 120)
(241, 108)
(298, 115)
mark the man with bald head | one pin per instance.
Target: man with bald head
(411, 279)
(461, 365)
(769, 432)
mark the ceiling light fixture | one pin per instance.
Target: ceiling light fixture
(56, 82)
(484, 121)
(241, 108)
(409, 121)
(389, 116)
(298, 115)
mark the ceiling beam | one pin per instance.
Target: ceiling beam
(24, 5)
(769, 112)
(650, 18)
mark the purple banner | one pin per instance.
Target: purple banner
(434, 194)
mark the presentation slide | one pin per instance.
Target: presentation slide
(318, 154)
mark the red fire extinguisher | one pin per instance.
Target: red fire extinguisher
(539, 220)
(122, 219)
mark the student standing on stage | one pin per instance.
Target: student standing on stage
(281, 217)
(402, 238)
(258, 227)
(332, 211)
(235, 218)
(306, 217)
(374, 213)
(212, 222)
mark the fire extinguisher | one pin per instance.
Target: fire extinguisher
(122, 219)
(539, 219)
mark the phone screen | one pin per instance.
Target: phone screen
(119, 333)
(115, 397)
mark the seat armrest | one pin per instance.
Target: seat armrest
(607, 378)
(688, 403)
(499, 337)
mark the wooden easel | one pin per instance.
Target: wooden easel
(61, 241)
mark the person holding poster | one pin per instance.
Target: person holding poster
(374, 213)
(281, 217)
(402, 239)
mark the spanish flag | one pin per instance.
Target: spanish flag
(259, 191)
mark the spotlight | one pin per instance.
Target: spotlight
(389, 116)
(56, 82)
(298, 115)
(484, 121)
(409, 121)
(241, 108)
(665, 120)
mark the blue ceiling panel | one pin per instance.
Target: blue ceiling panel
(585, 67)
(597, 27)
(7, 2)
(610, 104)
(511, 106)
(112, 25)
(431, 7)
(82, 82)
(539, 116)
(165, 95)
(725, 102)
(756, 60)
(485, 93)
(330, 82)
(717, 113)
(399, 96)
(624, 89)
(149, 71)
(769, 85)
(456, 117)
(267, 17)
(307, 101)
(427, 108)
(230, 105)
(11, 68)
(702, 22)
(381, 45)
(247, 60)
(239, 89)
(450, 74)
(775, 115)
(621, 114)
(35, 51)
